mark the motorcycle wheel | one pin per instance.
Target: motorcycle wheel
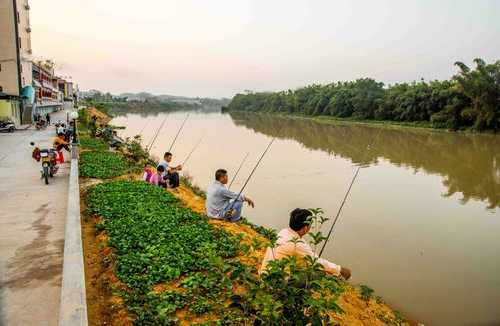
(46, 174)
(11, 129)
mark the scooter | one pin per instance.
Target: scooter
(41, 124)
(7, 126)
(49, 159)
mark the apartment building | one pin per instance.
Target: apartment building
(15, 57)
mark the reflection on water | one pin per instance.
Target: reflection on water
(469, 164)
(415, 227)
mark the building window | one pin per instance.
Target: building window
(18, 18)
(19, 42)
(0, 67)
(1, 89)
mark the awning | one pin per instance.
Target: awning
(36, 84)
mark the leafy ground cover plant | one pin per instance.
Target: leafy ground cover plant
(158, 241)
(102, 165)
(94, 144)
(178, 267)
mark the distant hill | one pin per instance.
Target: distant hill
(144, 96)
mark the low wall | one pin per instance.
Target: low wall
(73, 309)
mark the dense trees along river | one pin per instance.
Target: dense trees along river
(470, 99)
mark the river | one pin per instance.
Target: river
(421, 225)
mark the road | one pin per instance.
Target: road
(32, 217)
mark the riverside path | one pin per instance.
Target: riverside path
(32, 217)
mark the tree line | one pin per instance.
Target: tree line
(470, 99)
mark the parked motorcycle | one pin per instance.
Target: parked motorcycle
(7, 126)
(41, 124)
(49, 159)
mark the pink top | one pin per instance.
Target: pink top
(147, 175)
(156, 179)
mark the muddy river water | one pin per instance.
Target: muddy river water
(421, 225)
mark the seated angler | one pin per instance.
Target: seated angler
(157, 178)
(223, 203)
(171, 172)
(287, 244)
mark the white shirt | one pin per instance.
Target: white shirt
(165, 165)
(286, 248)
(218, 199)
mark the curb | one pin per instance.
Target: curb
(73, 307)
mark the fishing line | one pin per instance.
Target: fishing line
(147, 123)
(156, 135)
(229, 212)
(194, 148)
(238, 171)
(178, 132)
(346, 195)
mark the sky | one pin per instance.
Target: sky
(218, 48)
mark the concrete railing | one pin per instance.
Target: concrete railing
(73, 309)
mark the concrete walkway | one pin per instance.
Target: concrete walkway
(32, 217)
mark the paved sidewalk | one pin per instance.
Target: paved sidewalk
(32, 217)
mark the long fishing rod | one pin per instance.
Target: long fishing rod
(194, 148)
(238, 171)
(156, 135)
(249, 177)
(147, 123)
(345, 197)
(178, 132)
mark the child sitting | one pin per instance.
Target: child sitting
(157, 178)
(148, 173)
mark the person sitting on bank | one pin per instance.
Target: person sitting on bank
(171, 172)
(223, 203)
(287, 245)
(157, 178)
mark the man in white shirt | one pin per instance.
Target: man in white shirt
(223, 203)
(291, 243)
(171, 172)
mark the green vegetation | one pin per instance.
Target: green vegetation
(471, 99)
(94, 144)
(157, 241)
(102, 165)
(366, 292)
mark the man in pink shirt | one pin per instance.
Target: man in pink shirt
(291, 243)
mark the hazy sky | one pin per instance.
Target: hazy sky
(221, 47)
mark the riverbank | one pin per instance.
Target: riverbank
(112, 292)
(419, 125)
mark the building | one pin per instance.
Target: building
(15, 61)
(50, 90)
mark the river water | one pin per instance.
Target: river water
(421, 225)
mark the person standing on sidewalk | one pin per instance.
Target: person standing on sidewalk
(47, 118)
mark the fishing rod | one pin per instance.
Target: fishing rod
(238, 171)
(194, 148)
(156, 135)
(147, 123)
(230, 211)
(178, 132)
(355, 176)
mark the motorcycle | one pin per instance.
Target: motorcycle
(49, 159)
(41, 124)
(7, 126)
